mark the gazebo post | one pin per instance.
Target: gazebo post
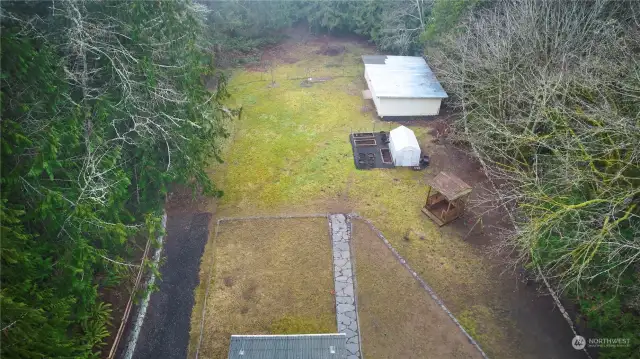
(448, 208)
(428, 195)
(463, 202)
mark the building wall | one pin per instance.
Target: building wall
(376, 99)
(403, 106)
(406, 157)
(408, 106)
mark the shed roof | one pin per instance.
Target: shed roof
(450, 186)
(403, 137)
(402, 77)
(299, 346)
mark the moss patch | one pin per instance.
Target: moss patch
(476, 320)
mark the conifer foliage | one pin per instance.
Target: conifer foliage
(103, 105)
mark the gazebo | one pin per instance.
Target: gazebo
(446, 199)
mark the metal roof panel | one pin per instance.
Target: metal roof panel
(298, 346)
(402, 77)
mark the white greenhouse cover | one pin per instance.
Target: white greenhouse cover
(404, 147)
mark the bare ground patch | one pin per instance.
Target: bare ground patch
(331, 50)
(270, 277)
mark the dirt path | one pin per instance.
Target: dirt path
(165, 332)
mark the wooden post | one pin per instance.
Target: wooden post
(463, 203)
(426, 205)
(448, 208)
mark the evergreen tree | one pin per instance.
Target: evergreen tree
(102, 107)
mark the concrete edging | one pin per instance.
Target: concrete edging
(355, 279)
(142, 311)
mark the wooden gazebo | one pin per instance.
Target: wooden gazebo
(446, 199)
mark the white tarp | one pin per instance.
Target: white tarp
(404, 147)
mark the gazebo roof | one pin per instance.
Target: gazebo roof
(450, 186)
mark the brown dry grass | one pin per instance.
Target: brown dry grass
(270, 277)
(398, 319)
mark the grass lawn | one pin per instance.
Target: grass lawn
(397, 318)
(290, 153)
(270, 277)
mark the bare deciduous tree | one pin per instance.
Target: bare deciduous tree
(549, 94)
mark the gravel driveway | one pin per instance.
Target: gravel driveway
(165, 332)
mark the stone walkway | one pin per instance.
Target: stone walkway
(346, 306)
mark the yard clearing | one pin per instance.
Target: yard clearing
(398, 319)
(270, 277)
(290, 154)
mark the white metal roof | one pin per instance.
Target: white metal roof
(404, 137)
(402, 77)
